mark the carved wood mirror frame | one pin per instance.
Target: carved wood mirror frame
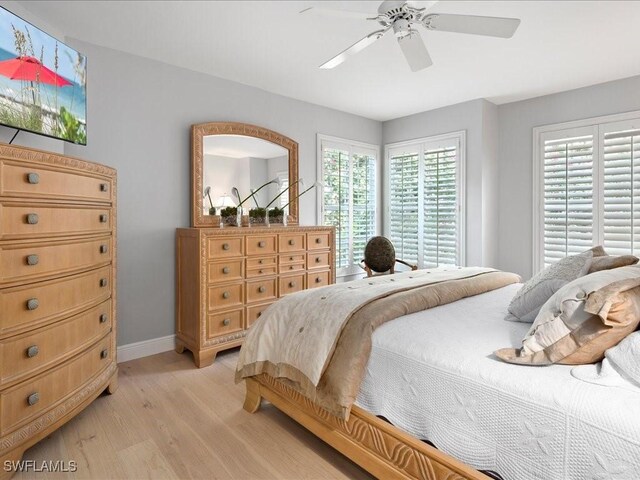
(201, 130)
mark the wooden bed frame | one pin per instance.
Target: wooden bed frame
(377, 446)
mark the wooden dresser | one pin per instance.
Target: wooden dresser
(226, 277)
(57, 292)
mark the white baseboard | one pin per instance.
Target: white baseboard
(145, 348)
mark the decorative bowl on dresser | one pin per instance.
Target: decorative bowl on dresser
(226, 277)
(57, 293)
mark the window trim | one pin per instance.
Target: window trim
(461, 187)
(346, 144)
(598, 125)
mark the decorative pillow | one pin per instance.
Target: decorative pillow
(527, 302)
(607, 262)
(581, 320)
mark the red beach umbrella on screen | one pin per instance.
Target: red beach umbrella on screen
(30, 69)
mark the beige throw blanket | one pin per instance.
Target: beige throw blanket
(318, 341)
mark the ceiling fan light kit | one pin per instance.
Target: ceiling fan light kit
(402, 17)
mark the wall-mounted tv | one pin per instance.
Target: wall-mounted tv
(42, 82)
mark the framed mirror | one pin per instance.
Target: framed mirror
(229, 160)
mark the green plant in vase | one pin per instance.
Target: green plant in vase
(229, 216)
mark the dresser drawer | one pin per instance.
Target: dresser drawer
(225, 296)
(318, 279)
(224, 247)
(36, 220)
(291, 284)
(23, 262)
(292, 258)
(291, 242)
(261, 290)
(33, 397)
(261, 262)
(229, 270)
(28, 306)
(319, 241)
(254, 312)
(261, 244)
(18, 180)
(262, 271)
(290, 268)
(225, 322)
(318, 260)
(30, 353)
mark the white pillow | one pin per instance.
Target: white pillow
(534, 293)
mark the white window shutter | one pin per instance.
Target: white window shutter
(404, 205)
(621, 192)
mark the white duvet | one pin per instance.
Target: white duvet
(433, 375)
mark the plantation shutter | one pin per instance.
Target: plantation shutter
(349, 200)
(364, 203)
(404, 208)
(440, 235)
(336, 199)
(568, 177)
(621, 192)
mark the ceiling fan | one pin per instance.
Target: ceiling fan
(401, 17)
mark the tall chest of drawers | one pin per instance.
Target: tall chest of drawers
(227, 277)
(57, 292)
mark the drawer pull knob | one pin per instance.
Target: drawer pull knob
(292, 242)
(33, 178)
(32, 259)
(261, 289)
(226, 295)
(261, 244)
(103, 218)
(226, 322)
(259, 313)
(291, 259)
(291, 267)
(32, 351)
(33, 399)
(104, 354)
(225, 246)
(317, 259)
(103, 318)
(32, 304)
(318, 240)
(104, 187)
(260, 261)
(292, 284)
(104, 282)
(32, 218)
(318, 279)
(104, 249)
(225, 270)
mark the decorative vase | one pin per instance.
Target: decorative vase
(229, 221)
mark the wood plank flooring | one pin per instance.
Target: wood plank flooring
(171, 420)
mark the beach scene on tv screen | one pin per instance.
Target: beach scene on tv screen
(42, 82)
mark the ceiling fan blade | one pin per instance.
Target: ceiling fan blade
(415, 51)
(353, 49)
(476, 25)
(333, 12)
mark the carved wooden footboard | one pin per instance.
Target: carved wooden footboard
(378, 447)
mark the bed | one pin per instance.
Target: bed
(431, 376)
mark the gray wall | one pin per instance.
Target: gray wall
(479, 119)
(516, 123)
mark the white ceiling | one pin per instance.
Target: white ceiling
(236, 146)
(560, 45)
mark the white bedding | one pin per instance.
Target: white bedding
(433, 375)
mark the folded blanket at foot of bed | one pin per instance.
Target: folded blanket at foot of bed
(318, 341)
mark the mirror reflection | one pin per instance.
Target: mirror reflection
(236, 165)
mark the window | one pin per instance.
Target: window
(284, 185)
(587, 187)
(348, 198)
(424, 197)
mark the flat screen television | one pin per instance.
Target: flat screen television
(43, 82)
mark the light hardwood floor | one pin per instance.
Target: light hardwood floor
(171, 420)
